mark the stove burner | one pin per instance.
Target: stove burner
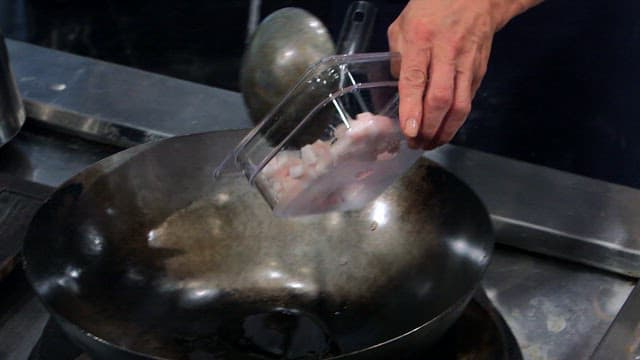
(480, 334)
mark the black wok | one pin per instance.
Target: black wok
(143, 255)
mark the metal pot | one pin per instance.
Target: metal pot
(144, 256)
(12, 115)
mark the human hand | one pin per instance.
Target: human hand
(444, 47)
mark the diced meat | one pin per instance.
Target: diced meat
(368, 136)
(384, 156)
(279, 165)
(308, 155)
(297, 171)
(321, 157)
(340, 131)
(318, 174)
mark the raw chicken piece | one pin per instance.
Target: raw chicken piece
(290, 187)
(384, 156)
(367, 137)
(340, 131)
(279, 165)
(317, 157)
(323, 175)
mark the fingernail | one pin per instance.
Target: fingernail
(411, 127)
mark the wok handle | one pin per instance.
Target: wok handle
(357, 27)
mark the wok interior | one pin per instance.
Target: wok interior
(151, 255)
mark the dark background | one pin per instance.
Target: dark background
(562, 88)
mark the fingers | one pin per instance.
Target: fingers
(480, 66)
(461, 104)
(439, 97)
(395, 66)
(411, 88)
(392, 35)
(444, 59)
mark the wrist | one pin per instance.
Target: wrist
(508, 9)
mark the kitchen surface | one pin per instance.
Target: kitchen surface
(561, 282)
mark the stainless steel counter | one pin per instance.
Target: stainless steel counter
(556, 309)
(117, 104)
(581, 219)
(37, 154)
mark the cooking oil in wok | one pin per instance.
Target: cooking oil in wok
(250, 312)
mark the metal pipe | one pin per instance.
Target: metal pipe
(254, 18)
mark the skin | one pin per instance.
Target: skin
(445, 47)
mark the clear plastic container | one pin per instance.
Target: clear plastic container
(334, 142)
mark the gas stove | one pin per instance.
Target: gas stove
(565, 264)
